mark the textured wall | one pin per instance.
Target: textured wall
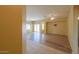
(57, 27)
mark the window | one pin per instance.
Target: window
(37, 27)
(28, 27)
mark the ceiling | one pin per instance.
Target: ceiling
(40, 12)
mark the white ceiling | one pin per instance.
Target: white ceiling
(39, 12)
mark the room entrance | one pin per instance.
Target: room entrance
(36, 27)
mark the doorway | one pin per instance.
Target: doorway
(36, 27)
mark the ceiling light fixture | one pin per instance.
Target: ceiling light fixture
(52, 18)
(78, 17)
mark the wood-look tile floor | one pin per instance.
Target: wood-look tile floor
(46, 43)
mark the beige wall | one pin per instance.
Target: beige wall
(61, 27)
(44, 31)
(72, 30)
(11, 29)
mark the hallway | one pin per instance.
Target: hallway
(47, 29)
(46, 43)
